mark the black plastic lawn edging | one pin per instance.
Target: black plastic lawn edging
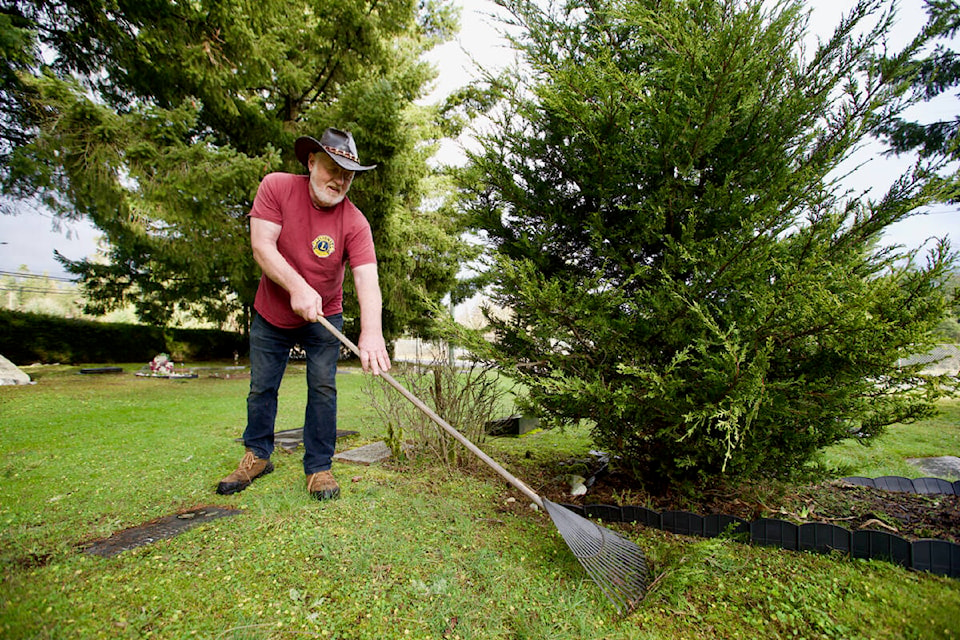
(928, 486)
(940, 557)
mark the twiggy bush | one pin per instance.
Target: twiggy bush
(467, 397)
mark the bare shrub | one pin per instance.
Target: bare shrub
(467, 397)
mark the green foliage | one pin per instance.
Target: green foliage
(949, 328)
(680, 268)
(16, 55)
(157, 121)
(29, 337)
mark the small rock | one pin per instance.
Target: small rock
(511, 500)
(577, 485)
(533, 505)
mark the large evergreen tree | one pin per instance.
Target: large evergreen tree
(679, 265)
(156, 120)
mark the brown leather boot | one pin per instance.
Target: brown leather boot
(322, 486)
(251, 468)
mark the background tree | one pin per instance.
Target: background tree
(933, 75)
(17, 55)
(157, 120)
(682, 269)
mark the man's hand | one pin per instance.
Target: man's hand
(307, 304)
(373, 353)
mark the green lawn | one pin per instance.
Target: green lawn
(937, 436)
(404, 553)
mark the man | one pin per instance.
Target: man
(303, 229)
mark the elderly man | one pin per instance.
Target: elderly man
(303, 230)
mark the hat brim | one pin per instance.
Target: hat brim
(306, 145)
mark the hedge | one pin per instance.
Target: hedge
(27, 338)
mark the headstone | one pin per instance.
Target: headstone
(512, 426)
(11, 374)
(941, 467)
(290, 439)
(89, 370)
(367, 454)
(159, 529)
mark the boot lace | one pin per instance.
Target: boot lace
(246, 464)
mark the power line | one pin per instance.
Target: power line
(43, 291)
(20, 274)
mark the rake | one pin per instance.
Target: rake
(616, 564)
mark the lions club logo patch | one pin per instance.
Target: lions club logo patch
(323, 246)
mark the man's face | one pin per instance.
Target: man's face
(329, 182)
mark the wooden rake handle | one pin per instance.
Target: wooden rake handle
(430, 413)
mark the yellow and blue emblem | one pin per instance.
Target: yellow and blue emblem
(323, 246)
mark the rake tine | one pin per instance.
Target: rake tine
(617, 565)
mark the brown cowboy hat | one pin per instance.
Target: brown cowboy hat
(337, 144)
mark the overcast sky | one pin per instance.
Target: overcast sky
(31, 237)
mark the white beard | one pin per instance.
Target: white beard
(324, 199)
(328, 201)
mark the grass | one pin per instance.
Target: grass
(937, 436)
(404, 553)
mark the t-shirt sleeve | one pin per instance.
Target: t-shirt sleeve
(360, 249)
(266, 204)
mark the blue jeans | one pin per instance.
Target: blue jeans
(269, 351)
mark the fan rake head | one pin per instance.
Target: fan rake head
(617, 565)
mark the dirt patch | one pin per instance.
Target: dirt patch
(165, 527)
(32, 560)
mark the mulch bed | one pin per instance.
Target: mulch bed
(909, 515)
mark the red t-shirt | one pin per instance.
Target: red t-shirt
(316, 242)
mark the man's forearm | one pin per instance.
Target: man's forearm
(276, 267)
(304, 300)
(373, 350)
(371, 312)
(371, 301)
